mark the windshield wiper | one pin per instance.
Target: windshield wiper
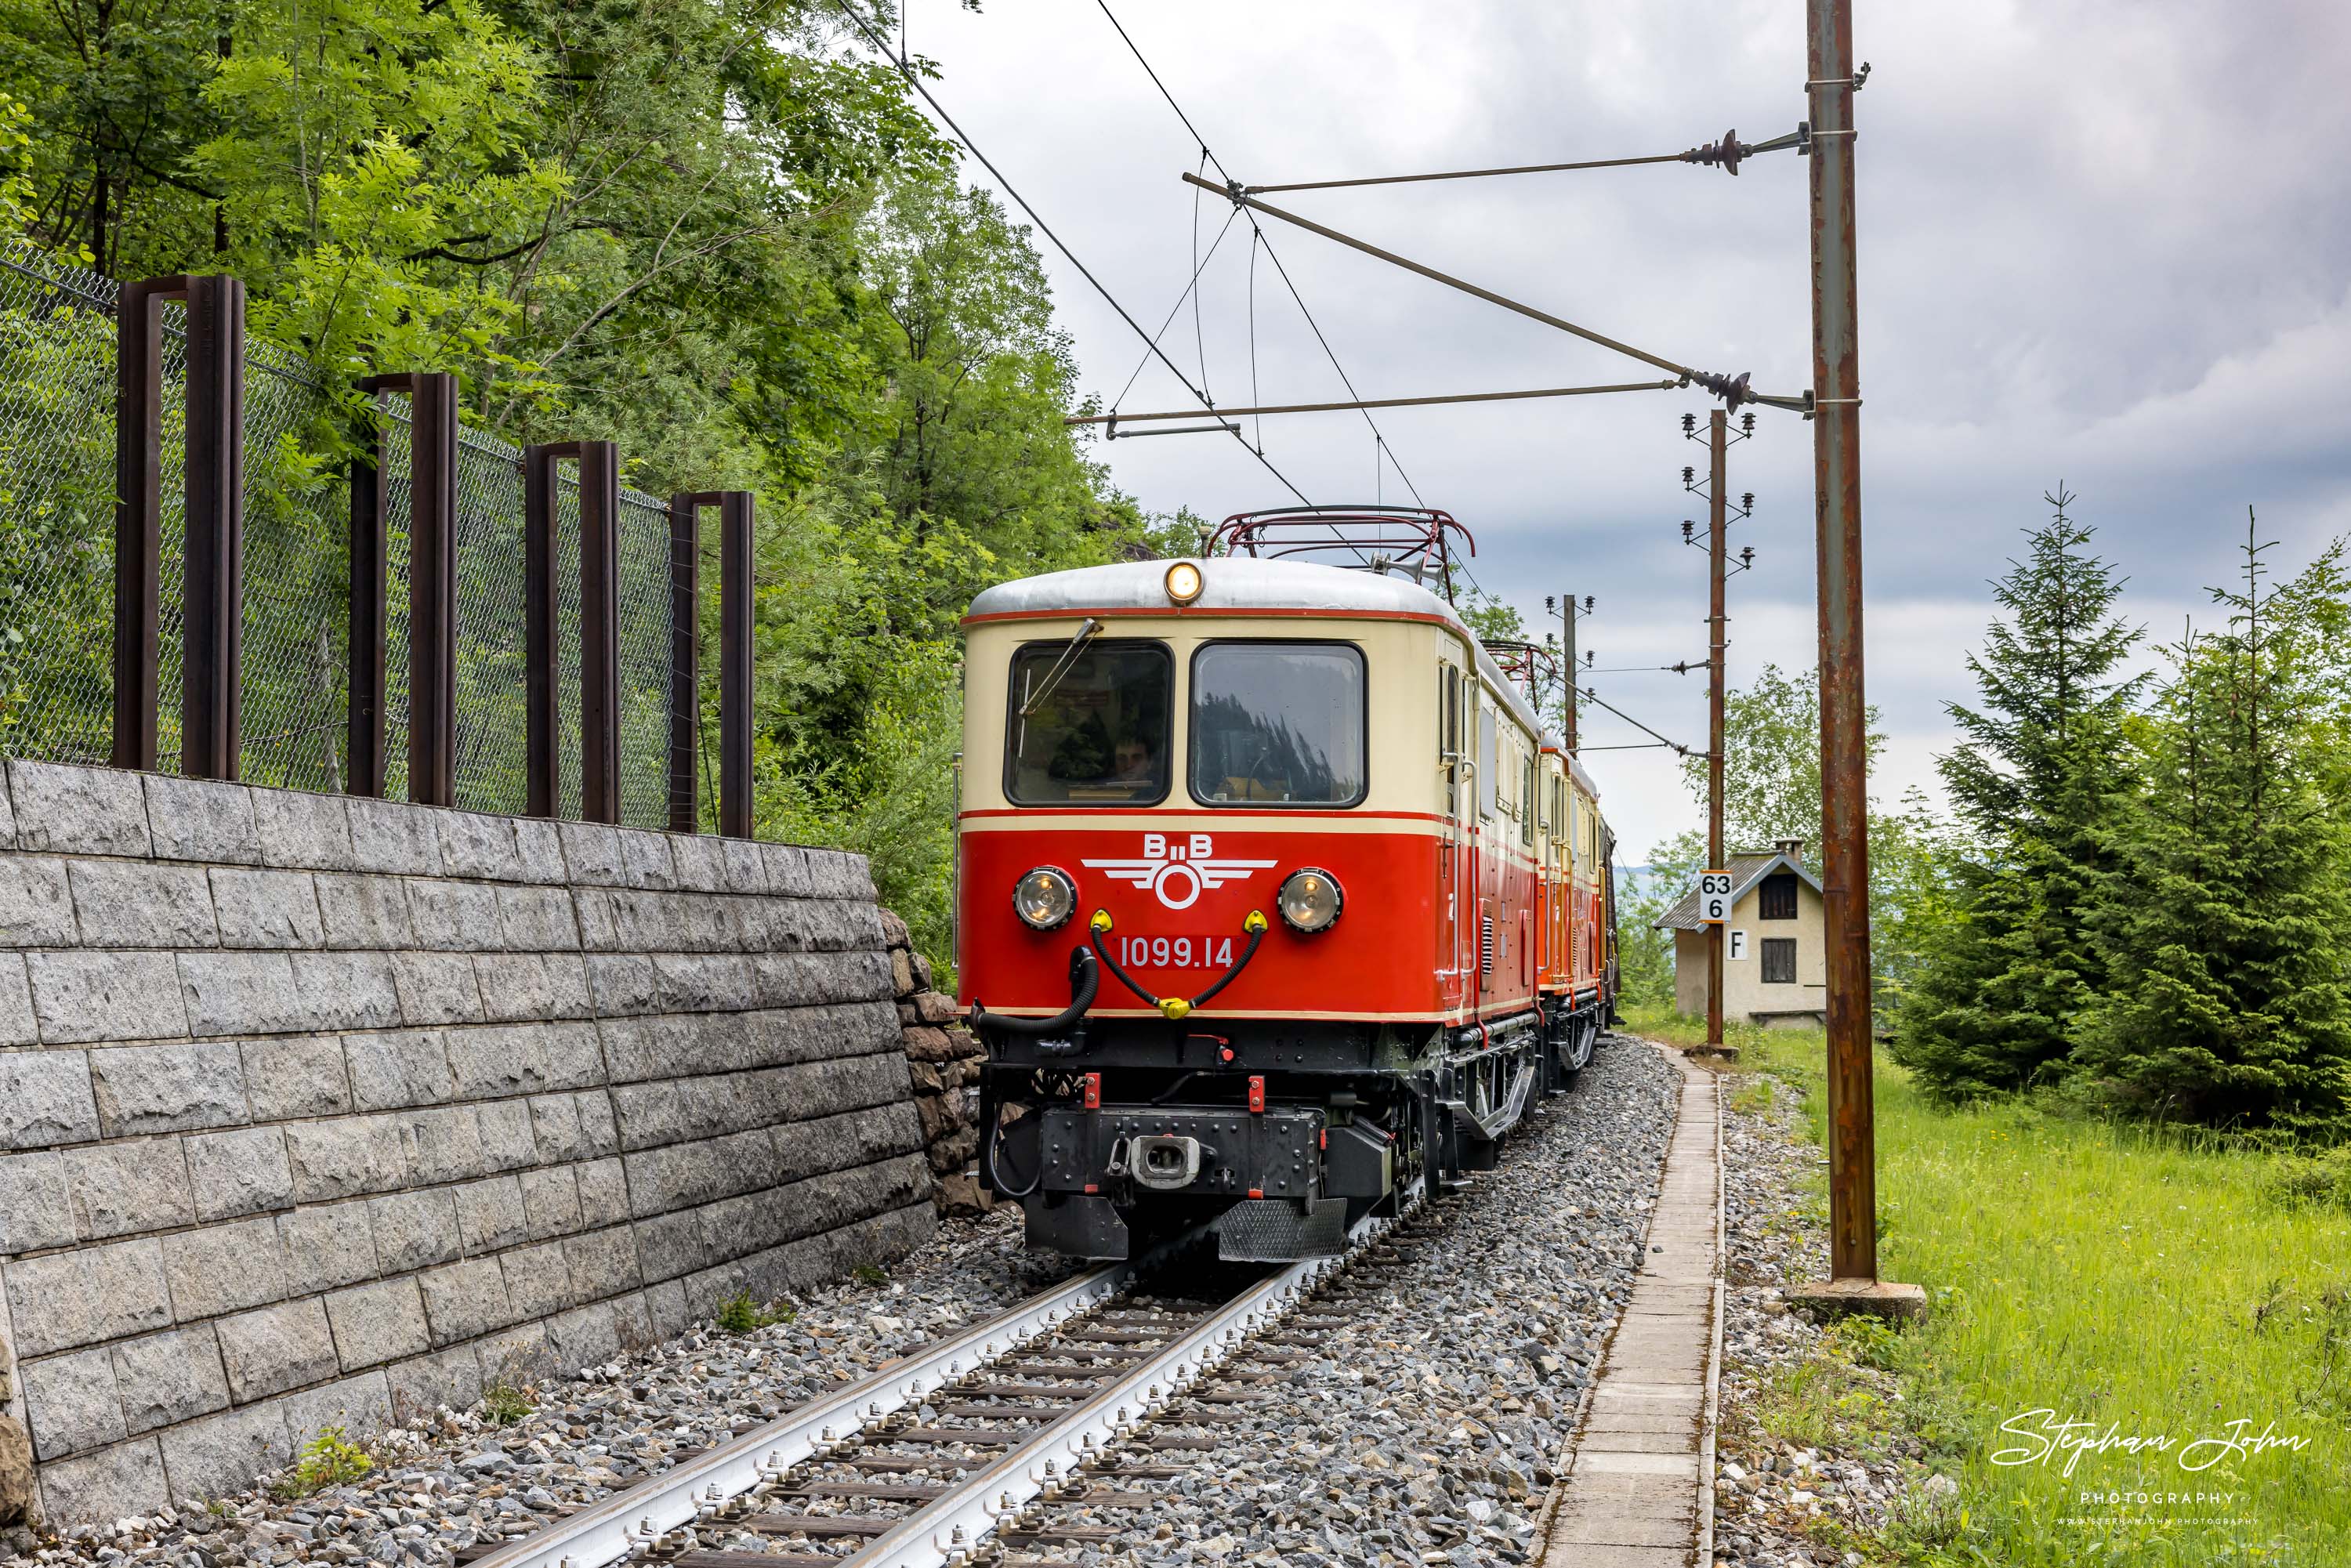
(1087, 632)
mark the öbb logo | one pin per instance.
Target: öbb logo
(1178, 869)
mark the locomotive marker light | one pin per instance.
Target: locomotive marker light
(1045, 898)
(1310, 900)
(1183, 582)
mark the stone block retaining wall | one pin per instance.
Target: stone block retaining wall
(312, 1105)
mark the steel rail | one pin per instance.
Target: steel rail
(609, 1529)
(946, 1531)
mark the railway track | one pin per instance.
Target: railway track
(975, 1449)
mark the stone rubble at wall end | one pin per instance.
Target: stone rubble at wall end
(944, 1062)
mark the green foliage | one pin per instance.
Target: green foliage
(738, 1313)
(57, 521)
(2321, 1180)
(116, 92)
(507, 1402)
(329, 1460)
(359, 143)
(1487, 616)
(1644, 955)
(2224, 929)
(2039, 780)
(1771, 760)
(15, 171)
(869, 1274)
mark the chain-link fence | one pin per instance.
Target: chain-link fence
(57, 572)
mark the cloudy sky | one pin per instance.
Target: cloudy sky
(2102, 241)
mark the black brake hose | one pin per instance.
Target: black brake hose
(1087, 986)
(1176, 1008)
(1256, 935)
(1094, 936)
(987, 1156)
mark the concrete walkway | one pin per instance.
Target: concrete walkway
(1638, 1492)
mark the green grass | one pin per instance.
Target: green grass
(2149, 1282)
(331, 1458)
(739, 1315)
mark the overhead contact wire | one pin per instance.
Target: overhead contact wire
(1046, 229)
(1258, 233)
(1170, 319)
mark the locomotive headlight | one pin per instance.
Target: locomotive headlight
(1045, 898)
(1183, 582)
(1311, 899)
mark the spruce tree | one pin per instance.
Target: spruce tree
(2227, 927)
(2034, 782)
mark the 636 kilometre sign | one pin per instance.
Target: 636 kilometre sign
(1714, 897)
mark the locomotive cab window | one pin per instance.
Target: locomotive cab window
(1277, 723)
(1090, 724)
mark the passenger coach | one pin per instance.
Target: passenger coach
(1271, 900)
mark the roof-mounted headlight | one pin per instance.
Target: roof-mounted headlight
(1183, 582)
(1310, 900)
(1045, 898)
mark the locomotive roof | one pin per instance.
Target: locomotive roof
(1244, 582)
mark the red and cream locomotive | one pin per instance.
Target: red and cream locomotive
(1272, 897)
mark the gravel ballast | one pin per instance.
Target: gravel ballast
(1425, 1430)
(1780, 1504)
(447, 1480)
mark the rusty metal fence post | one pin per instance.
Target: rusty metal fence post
(600, 632)
(735, 603)
(138, 512)
(542, 671)
(736, 511)
(363, 740)
(599, 616)
(212, 608)
(431, 595)
(684, 660)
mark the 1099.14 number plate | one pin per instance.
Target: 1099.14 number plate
(1173, 952)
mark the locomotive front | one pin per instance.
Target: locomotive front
(1197, 898)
